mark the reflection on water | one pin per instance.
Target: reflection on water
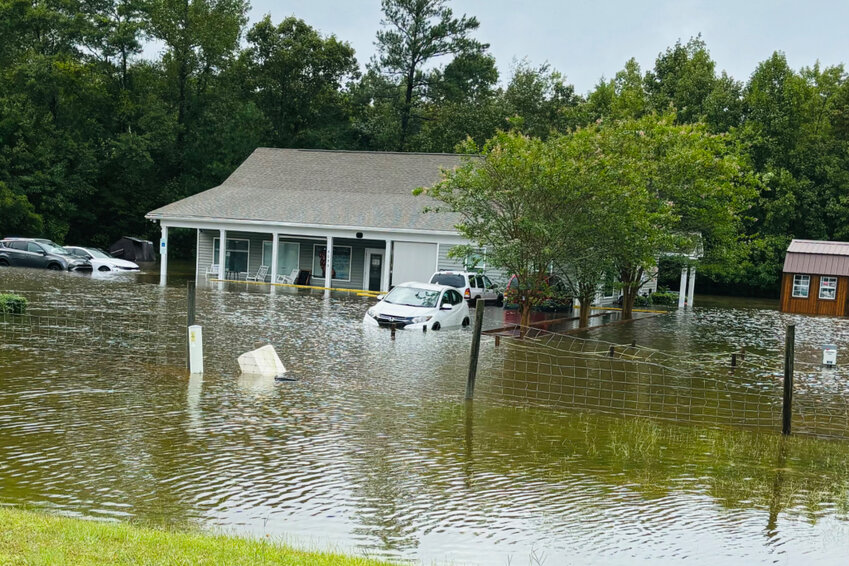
(372, 448)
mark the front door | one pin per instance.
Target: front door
(373, 272)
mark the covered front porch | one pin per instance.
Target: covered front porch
(328, 258)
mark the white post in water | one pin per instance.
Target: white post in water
(163, 256)
(222, 257)
(328, 266)
(195, 349)
(275, 246)
(691, 289)
(682, 290)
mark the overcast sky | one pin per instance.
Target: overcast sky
(587, 39)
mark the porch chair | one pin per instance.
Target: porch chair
(259, 275)
(212, 270)
(288, 279)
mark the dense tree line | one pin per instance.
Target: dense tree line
(93, 135)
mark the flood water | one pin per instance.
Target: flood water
(372, 450)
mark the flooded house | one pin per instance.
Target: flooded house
(815, 278)
(340, 219)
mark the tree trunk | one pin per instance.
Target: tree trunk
(584, 316)
(406, 110)
(628, 296)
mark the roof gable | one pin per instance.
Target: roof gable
(322, 187)
(817, 257)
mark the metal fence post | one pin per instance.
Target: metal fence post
(787, 406)
(476, 346)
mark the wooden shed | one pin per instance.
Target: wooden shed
(816, 278)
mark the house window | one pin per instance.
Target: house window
(828, 287)
(236, 254)
(288, 256)
(801, 283)
(341, 262)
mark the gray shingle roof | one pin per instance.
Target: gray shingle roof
(817, 257)
(333, 188)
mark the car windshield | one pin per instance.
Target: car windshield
(52, 248)
(412, 297)
(99, 254)
(450, 279)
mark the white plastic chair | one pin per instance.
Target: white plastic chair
(259, 275)
(289, 279)
(212, 270)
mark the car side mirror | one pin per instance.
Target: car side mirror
(43, 252)
(447, 307)
(381, 297)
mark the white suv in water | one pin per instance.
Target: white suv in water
(471, 284)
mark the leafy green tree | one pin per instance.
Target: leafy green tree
(415, 33)
(682, 79)
(508, 200)
(622, 97)
(684, 188)
(296, 78)
(200, 37)
(538, 100)
(17, 215)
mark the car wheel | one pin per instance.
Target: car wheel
(54, 267)
(466, 321)
(435, 326)
(4, 263)
(103, 268)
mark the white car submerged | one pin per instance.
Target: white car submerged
(102, 261)
(419, 305)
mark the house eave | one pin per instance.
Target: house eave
(211, 222)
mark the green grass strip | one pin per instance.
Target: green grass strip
(35, 538)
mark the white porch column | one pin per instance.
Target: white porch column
(163, 256)
(682, 290)
(691, 289)
(222, 247)
(387, 260)
(275, 245)
(328, 263)
(328, 267)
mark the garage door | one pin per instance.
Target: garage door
(413, 262)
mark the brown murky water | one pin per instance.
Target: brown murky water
(371, 450)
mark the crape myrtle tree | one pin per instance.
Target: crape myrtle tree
(515, 197)
(685, 188)
(599, 177)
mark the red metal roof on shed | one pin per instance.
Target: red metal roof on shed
(817, 257)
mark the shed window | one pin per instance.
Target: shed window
(828, 287)
(801, 284)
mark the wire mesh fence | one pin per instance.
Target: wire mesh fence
(565, 372)
(75, 333)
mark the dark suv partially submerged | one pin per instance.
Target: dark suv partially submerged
(38, 252)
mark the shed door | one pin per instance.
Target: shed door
(413, 262)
